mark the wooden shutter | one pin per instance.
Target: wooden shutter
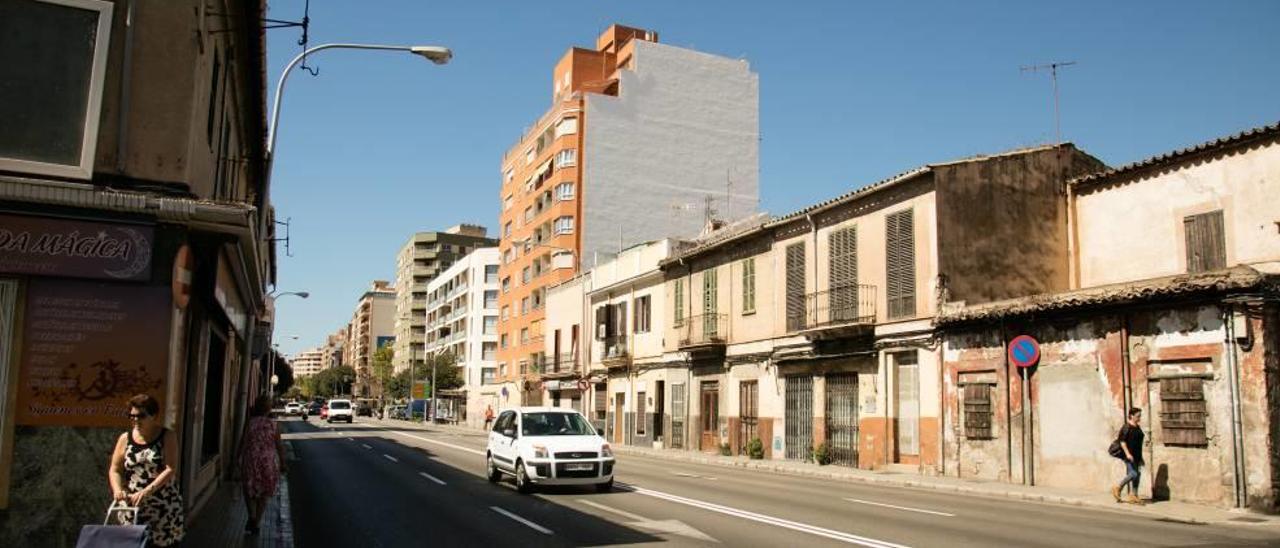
(977, 411)
(843, 285)
(795, 287)
(901, 262)
(620, 312)
(1206, 242)
(748, 285)
(1183, 412)
(709, 285)
(679, 303)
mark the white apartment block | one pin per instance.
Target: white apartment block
(462, 319)
(308, 362)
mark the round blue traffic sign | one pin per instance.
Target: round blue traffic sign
(1024, 351)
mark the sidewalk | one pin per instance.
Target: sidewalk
(1181, 512)
(221, 522)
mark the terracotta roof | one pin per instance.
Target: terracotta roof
(1256, 133)
(1237, 278)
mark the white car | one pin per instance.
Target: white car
(292, 409)
(548, 446)
(340, 410)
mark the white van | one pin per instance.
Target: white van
(341, 410)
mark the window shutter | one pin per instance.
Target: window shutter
(679, 304)
(621, 314)
(709, 292)
(601, 328)
(795, 287)
(901, 263)
(843, 296)
(1206, 242)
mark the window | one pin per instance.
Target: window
(524, 305)
(491, 274)
(901, 265)
(748, 286)
(602, 401)
(528, 214)
(567, 126)
(640, 412)
(525, 275)
(795, 287)
(507, 177)
(524, 335)
(502, 367)
(842, 297)
(506, 284)
(488, 350)
(506, 313)
(1183, 412)
(490, 325)
(487, 375)
(564, 225)
(1206, 242)
(567, 158)
(504, 342)
(491, 299)
(977, 411)
(641, 319)
(506, 230)
(529, 155)
(678, 297)
(58, 50)
(564, 191)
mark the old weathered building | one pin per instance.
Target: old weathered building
(135, 244)
(1176, 262)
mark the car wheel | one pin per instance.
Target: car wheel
(605, 487)
(522, 480)
(493, 474)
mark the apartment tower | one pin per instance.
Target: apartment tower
(673, 139)
(371, 328)
(419, 261)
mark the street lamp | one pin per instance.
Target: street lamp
(273, 296)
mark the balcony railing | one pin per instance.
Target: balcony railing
(850, 305)
(559, 366)
(704, 329)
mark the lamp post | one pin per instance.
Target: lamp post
(272, 296)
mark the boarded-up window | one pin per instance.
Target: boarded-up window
(901, 263)
(795, 287)
(1206, 243)
(1183, 412)
(844, 274)
(977, 411)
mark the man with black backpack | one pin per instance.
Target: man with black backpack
(1128, 447)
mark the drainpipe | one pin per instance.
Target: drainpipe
(1008, 404)
(1239, 483)
(884, 360)
(1126, 382)
(126, 72)
(942, 412)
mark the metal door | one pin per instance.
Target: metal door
(710, 416)
(842, 418)
(748, 414)
(799, 417)
(678, 413)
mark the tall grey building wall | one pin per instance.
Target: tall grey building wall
(685, 125)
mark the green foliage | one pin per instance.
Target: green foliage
(294, 392)
(822, 454)
(332, 381)
(725, 449)
(284, 375)
(448, 373)
(398, 385)
(755, 449)
(382, 368)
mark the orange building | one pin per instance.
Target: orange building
(560, 212)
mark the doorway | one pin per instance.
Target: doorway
(710, 416)
(659, 410)
(619, 408)
(907, 370)
(842, 418)
(799, 417)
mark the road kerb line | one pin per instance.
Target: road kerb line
(526, 522)
(390, 458)
(432, 478)
(623, 513)
(907, 508)
(770, 520)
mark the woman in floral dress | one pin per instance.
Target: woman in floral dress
(143, 471)
(261, 461)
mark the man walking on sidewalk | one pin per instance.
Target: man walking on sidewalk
(1129, 441)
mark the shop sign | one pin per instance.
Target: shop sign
(87, 348)
(44, 246)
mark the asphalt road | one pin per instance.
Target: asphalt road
(392, 484)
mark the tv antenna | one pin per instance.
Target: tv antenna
(1053, 74)
(285, 239)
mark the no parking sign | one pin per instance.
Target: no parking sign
(1024, 351)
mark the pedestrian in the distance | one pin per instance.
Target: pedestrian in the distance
(1129, 445)
(261, 461)
(488, 416)
(144, 469)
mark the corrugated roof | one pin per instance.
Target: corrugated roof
(1170, 157)
(1240, 277)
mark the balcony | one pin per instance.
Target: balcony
(838, 312)
(614, 353)
(561, 366)
(704, 332)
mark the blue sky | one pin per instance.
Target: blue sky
(382, 144)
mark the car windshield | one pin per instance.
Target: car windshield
(339, 405)
(555, 424)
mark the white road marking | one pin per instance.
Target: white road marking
(365, 445)
(437, 442)
(431, 477)
(770, 520)
(909, 509)
(391, 458)
(528, 523)
(622, 513)
(351, 439)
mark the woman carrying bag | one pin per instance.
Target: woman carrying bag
(143, 471)
(1128, 447)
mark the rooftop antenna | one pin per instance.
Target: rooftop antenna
(708, 208)
(1053, 74)
(728, 183)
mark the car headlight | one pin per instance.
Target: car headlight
(606, 451)
(540, 452)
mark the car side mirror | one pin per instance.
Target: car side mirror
(510, 432)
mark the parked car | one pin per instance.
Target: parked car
(340, 410)
(548, 446)
(313, 408)
(292, 409)
(364, 410)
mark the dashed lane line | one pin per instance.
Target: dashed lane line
(432, 478)
(365, 445)
(526, 522)
(390, 458)
(896, 507)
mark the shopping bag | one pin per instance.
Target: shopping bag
(130, 535)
